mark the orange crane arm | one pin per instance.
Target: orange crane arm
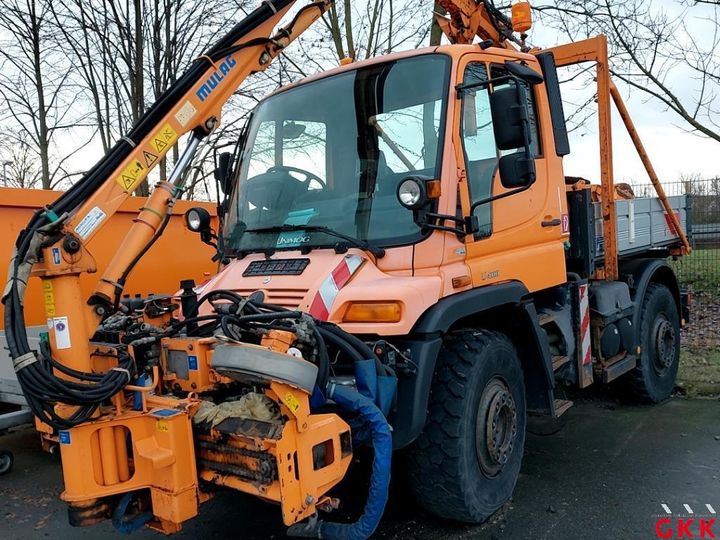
(200, 109)
(54, 244)
(469, 18)
(197, 111)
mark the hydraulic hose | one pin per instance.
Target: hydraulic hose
(381, 437)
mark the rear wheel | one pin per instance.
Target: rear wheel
(465, 464)
(653, 379)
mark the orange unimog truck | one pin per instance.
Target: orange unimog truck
(402, 264)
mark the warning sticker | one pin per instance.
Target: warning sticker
(150, 158)
(131, 176)
(49, 298)
(162, 426)
(565, 222)
(291, 401)
(62, 333)
(90, 222)
(185, 113)
(164, 138)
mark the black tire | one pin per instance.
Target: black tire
(450, 467)
(6, 461)
(653, 379)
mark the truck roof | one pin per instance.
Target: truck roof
(453, 50)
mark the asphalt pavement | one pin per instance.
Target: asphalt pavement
(605, 474)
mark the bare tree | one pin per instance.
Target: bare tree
(34, 83)
(19, 165)
(667, 53)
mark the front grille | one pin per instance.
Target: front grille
(287, 298)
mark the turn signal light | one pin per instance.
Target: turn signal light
(521, 17)
(386, 312)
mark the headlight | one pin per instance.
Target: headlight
(197, 219)
(411, 193)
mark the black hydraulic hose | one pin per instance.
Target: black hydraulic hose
(323, 361)
(365, 352)
(341, 344)
(221, 294)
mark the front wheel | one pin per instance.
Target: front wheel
(466, 462)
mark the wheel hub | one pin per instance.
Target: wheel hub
(664, 345)
(497, 421)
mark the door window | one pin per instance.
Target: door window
(481, 155)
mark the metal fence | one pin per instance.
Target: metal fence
(699, 271)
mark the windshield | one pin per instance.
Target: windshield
(332, 152)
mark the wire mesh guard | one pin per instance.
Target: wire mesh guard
(700, 271)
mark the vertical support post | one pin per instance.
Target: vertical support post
(606, 163)
(71, 328)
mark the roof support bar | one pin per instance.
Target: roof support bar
(595, 50)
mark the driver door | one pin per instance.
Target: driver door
(519, 237)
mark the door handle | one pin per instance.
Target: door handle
(551, 223)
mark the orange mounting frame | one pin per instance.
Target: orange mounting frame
(596, 50)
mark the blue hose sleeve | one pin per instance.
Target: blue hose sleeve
(366, 379)
(128, 524)
(349, 399)
(387, 386)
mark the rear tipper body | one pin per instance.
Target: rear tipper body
(402, 261)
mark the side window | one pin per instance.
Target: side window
(481, 157)
(407, 137)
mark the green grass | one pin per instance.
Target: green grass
(700, 270)
(699, 372)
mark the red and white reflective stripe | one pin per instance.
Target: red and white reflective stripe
(331, 285)
(584, 324)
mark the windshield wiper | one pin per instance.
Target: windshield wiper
(377, 251)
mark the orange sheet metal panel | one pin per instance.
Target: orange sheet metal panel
(177, 255)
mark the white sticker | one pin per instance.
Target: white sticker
(50, 324)
(185, 113)
(62, 333)
(90, 222)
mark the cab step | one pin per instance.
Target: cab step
(559, 361)
(618, 368)
(561, 406)
(545, 318)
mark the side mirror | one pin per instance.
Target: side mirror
(510, 118)
(516, 170)
(223, 172)
(521, 71)
(511, 126)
